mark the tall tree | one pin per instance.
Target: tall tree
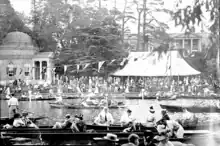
(82, 35)
(150, 22)
(193, 16)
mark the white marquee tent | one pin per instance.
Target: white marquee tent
(149, 64)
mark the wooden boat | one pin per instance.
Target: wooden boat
(71, 106)
(6, 120)
(193, 109)
(48, 133)
(34, 99)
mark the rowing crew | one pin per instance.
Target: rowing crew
(21, 121)
(105, 118)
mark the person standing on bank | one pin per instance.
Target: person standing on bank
(13, 106)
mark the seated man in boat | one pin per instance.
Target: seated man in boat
(133, 140)
(163, 139)
(127, 119)
(59, 99)
(78, 125)
(38, 95)
(104, 118)
(66, 124)
(151, 118)
(90, 101)
(18, 122)
(27, 121)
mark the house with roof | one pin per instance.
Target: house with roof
(21, 59)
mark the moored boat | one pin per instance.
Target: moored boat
(193, 109)
(69, 134)
(75, 106)
(6, 120)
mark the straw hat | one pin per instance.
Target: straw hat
(67, 116)
(111, 137)
(152, 109)
(24, 113)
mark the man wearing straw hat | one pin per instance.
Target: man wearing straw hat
(13, 106)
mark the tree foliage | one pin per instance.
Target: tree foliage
(192, 16)
(81, 35)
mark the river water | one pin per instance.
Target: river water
(139, 108)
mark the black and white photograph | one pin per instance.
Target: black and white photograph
(110, 72)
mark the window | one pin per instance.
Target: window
(195, 44)
(44, 70)
(179, 43)
(187, 44)
(37, 70)
(11, 69)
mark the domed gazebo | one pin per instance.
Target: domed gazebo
(20, 59)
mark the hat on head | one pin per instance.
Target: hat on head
(129, 111)
(80, 116)
(132, 137)
(152, 109)
(17, 115)
(111, 137)
(67, 116)
(24, 113)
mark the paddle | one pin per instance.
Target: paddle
(38, 114)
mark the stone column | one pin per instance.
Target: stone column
(40, 70)
(49, 69)
(33, 71)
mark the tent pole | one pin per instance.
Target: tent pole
(170, 65)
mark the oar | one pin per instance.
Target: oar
(38, 114)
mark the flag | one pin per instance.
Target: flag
(100, 65)
(65, 68)
(77, 68)
(123, 61)
(112, 61)
(86, 65)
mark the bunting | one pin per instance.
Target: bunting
(86, 65)
(123, 62)
(77, 68)
(65, 68)
(112, 61)
(100, 65)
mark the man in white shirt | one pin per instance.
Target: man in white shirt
(13, 106)
(151, 118)
(104, 118)
(127, 118)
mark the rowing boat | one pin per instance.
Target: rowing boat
(48, 133)
(193, 109)
(6, 120)
(72, 106)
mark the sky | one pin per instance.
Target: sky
(25, 7)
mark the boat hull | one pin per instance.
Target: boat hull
(193, 109)
(55, 105)
(6, 120)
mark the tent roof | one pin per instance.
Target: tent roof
(151, 64)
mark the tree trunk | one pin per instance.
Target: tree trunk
(139, 30)
(218, 45)
(100, 4)
(123, 22)
(144, 23)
